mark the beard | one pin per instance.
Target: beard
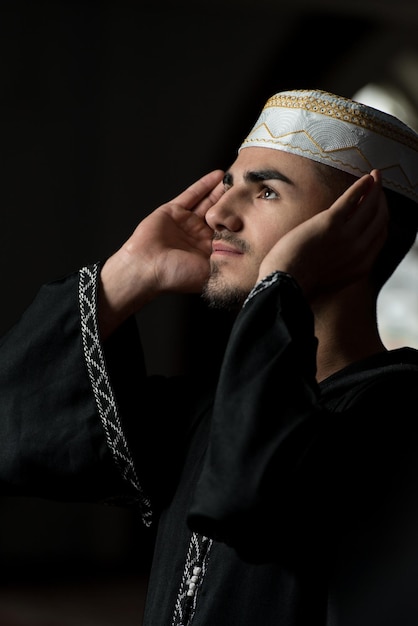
(219, 295)
(217, 292)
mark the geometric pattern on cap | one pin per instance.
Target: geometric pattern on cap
(341, 133)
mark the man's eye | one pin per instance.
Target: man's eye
(268, 193)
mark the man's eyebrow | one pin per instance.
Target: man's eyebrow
(256, 176)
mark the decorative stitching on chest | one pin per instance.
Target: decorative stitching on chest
(193, 575)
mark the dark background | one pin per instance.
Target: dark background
(108, 109)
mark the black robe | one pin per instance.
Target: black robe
(275, 501)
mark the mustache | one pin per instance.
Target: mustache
(240, 244)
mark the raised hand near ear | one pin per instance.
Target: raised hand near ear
(168, 252)
(337, 246)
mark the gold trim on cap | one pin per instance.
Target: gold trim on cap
(347, 110)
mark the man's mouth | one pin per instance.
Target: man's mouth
(219, 247)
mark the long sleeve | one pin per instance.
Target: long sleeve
(60, 429)
(266, 388)
(291, 467)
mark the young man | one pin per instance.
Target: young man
(284, 492)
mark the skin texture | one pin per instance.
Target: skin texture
(271, 212)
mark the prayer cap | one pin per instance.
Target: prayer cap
(341, 133)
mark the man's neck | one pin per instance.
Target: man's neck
(347, 332)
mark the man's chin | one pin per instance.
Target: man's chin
(224, 297)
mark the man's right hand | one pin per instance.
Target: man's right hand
(168, 252)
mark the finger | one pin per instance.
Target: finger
(202, 188)
(361, 206)
(379, 219)
(204, 205)
(346, 204)
(372, 207)
(370, 219)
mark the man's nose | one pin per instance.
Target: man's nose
(225, 214)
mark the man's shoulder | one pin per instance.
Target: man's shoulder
(385, 373)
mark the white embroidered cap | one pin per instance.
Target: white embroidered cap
(342, 133)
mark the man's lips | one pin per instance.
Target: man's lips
(222, 248)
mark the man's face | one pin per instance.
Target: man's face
(267, 193)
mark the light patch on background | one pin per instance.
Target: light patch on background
(398, 301)
(398, 305)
